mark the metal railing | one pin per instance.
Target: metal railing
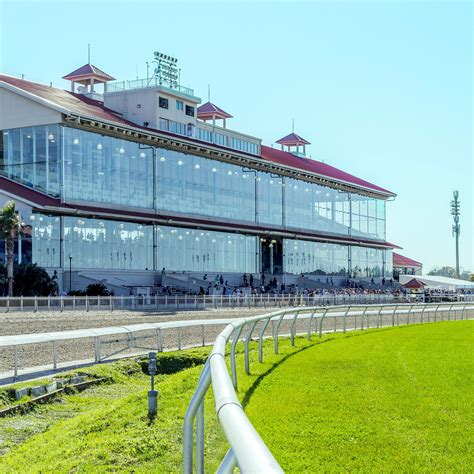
(145, 83)
(247, 449)
(167, 302)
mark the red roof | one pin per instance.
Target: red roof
(401, 261)
(75, 103)
(293, 139)
(81, 105)
(314, 166)
(414, 284)
(209, 110)
(88, 70)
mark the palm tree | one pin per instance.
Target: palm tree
(11, 225)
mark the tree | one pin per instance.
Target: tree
(97, 289)
(449, 272)
(11, 226)
(30, 280)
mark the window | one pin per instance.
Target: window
(163, 103)
(164, 124)
(190, 111)
(179, 105)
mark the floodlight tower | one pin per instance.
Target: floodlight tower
(455, 212)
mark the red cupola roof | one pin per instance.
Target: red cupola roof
(293, 139)
(210, 111)
(87, 72)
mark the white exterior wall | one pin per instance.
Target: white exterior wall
(18, 111)
(141, 105)
(127, 103)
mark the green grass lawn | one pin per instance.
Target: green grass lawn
(391, 400)
(106, 428)
(381, 400)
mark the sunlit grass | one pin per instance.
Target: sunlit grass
(392, 400)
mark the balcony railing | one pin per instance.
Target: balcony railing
(146, 83)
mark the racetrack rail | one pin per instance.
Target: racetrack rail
(247, 450)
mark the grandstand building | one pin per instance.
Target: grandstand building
(121, 184)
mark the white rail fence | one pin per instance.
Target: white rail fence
(247, 449)
(176, 302)
(26, 354)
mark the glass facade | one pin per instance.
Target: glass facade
(95, 243)
(46, 240)
(106, 170)
(32, 156)
(270, 199)
(182, 249)
(367, 262)
(94, 168)
(316, 258)
(107, 244)
(119, 172)
(315, 207)
(194, 185)
(319, 258)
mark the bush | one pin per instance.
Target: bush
(97, 289)
(28, 280)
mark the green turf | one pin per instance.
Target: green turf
(105, 428)
(399, 399)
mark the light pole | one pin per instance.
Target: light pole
(455, 212)
(70, 272)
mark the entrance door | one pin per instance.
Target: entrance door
(271, 251)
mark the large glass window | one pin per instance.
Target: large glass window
(270, 190)
(367, 262)
(205, 251)
(31, 156)
(194, 185)
(108, 170)
(368, 217)
(95, 243)
(315, 258)
(46, 234)
(315, 207)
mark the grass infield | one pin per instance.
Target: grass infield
(391, 400)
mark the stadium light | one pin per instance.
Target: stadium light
(455, 212)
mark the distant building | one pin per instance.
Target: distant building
(405, 266)
(139, 177)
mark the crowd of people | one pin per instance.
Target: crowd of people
(258, 285)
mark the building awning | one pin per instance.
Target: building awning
(401, 261)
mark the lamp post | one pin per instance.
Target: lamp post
(455, 212)
(70, 272)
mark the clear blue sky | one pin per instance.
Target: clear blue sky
(382, 89)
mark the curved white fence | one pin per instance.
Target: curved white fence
(247, 449)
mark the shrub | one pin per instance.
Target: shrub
(97, 289)
(29, 280)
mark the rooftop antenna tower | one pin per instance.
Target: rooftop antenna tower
(88, 53)
(455, 212)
